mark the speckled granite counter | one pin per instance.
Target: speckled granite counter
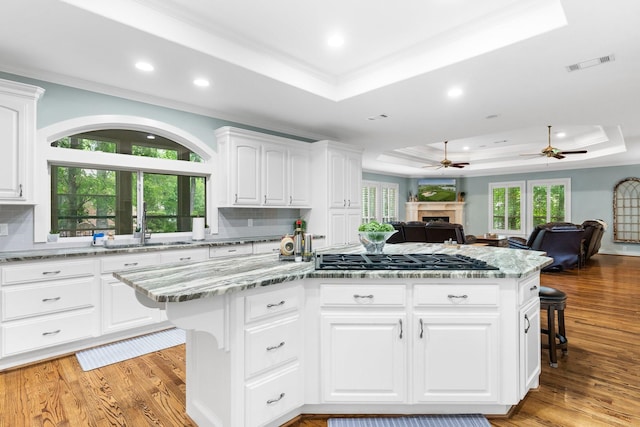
(61, 251)
(174, 283)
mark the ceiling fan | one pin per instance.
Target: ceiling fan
(550, 151)
(445, 163)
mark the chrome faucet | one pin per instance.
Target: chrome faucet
(143, 225)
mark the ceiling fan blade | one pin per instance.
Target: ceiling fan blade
(456, 165)
(558, 156)
(574, 152)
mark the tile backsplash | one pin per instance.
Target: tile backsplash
(255, 222)
(20, 223)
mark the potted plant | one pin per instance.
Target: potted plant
(53, 235)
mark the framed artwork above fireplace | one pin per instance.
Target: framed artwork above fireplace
(437, 190)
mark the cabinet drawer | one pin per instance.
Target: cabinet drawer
(270, 303)
(184, 255)
(448, 295)
(358, 295)
(33, 272)
(230, 250)
(266, 247)
(270, 345)
(19, 337)
(529, 289)
(26, 301)
(127, 262)
(273, 397)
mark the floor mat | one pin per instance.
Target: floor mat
(127, 349)
(448, 420)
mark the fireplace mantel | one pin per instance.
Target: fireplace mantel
(454, 210)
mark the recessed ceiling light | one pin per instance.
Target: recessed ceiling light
(561, 134)
(144, 66)
(454, 92)
(151, 136)
(335, 40)
(465, 148)
(201, 82)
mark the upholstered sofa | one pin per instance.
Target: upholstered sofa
(562, 241)
(432, 232)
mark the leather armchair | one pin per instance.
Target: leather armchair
(593, 231)
(399, 236)
(562, 241)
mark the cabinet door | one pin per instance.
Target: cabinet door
(337, 227)
(456, 358)
(300, 178)
(121, 309)
(337, 180)
(354, 219)
(274, 175)
(353, 183)
(245, 164)
(12, 161)
(529, 346)
(363, 358)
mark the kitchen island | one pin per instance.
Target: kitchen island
(268, 340)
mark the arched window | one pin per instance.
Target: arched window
(102, 174)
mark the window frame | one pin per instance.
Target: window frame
(507, 185)
(379, 187)
(566, 182)
(47, 155)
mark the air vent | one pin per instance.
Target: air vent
(378, 117)
(590, 63)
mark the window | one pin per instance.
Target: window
(512, 211)
(548, 201)
(379, 201)
(506, 212)
(89, 199)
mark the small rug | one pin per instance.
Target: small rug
(127, 349)
(448, 420)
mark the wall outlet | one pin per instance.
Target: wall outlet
(4, 229)
(250, 222)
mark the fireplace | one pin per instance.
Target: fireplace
(418, 211)
(435, 219)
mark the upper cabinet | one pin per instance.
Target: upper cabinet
(17, 139)
(261, 170)
(345, 174)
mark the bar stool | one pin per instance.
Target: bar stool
(554, 300)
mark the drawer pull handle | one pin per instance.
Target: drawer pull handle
(533, 288)
(51, 272)
(186, 258)
(275, 347)
(526, 329)
(275, 305)
(356, 296)
(51, 299)
(56, 332)
(130, 264)
(279, 398)
(231, 250)
(401, 329)
(421, 328)
(458, 296)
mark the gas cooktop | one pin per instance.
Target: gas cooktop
(399, 262)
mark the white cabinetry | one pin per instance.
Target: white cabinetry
(364, 343)
(262, 170)
(45, 304)
(529, 321)
(120, 307)
(337, 186)
(17, 139)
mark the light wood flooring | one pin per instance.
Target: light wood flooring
(597, 384)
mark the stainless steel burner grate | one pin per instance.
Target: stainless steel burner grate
(399, 262)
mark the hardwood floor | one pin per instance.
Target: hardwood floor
(597, 384)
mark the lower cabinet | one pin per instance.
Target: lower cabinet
(529, 346)
(363, 357)
(444, 368)
(121, 309)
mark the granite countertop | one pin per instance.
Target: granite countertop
(62, 251)
(183, 282)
